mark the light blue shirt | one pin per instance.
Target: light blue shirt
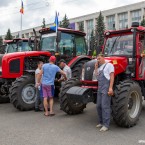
(49, 72)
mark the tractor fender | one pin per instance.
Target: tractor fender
(80, 95)
(77, 59)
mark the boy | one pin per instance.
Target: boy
(39, 98)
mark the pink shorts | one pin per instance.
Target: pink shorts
(48, 91)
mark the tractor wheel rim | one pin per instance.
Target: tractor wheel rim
(28, 94)
(134, 104)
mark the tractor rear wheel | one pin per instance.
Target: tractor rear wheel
(68, 106)
(77, 68)
(22, 93)
(127, 103)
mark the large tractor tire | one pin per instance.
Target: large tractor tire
(68, 106)
(22, 93)
(127, 103)
(77, 68)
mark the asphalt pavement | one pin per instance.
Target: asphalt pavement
(33, 128)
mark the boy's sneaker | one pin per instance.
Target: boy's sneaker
(103, 129)
(99, 125)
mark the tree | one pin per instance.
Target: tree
(8, 35)
(43, 23)
(100, 28)
(1, 41)
(65, 22)
(143, 22)
(92, 40)
(81, 26)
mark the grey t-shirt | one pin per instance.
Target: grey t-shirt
(67, 71)
(37, 71)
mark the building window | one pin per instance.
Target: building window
(111, 22)
(81, 26)
(136, 16)
(123, 20)
(89, 28)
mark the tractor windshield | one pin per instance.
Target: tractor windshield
(18, 47)
(119, 45)
(48, 42)
(68, 45)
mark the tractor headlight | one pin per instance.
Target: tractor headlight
(83, 74)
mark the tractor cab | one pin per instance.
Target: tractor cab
(66, 44)
(127, 45)
(17, 45)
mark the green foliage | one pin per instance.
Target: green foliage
(43, 23)
(81, 26)
(8, 35)
(143, 22)
(65, 22)
(100, 28)
(92, 40)
(1, 41)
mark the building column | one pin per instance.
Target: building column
(105, 22)
(129, 19)
(116, 21)
(142, 13)
(76, 26)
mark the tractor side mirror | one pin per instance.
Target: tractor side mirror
(58, 37)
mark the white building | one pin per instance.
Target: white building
(117, 18)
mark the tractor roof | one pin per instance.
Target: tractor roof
(15, 40)
(47, 30)
(140, 28)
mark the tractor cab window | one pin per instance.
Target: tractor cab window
(24, 46)
(11, 47)
(80, 46)
(48, 42)
(18, 47)
(66, 44)
(119, 45)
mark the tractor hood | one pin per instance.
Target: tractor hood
(120, 63)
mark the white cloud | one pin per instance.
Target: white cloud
(36, 10)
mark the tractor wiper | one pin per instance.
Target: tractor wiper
(114, 43)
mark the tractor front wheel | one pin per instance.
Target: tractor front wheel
(127, 103)
(67, 106)
(22, 93)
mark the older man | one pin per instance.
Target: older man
(105, 77)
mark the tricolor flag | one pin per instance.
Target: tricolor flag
(22, 8)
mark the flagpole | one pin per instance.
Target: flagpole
(21, 27)
(21, 24)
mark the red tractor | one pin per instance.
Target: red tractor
(17, 62)
(123, 49)
(67, 44)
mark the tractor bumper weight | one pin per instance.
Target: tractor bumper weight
(80, 95)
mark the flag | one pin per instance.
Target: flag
(22, 8)
(55, 26)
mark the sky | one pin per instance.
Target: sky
(36, 10)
